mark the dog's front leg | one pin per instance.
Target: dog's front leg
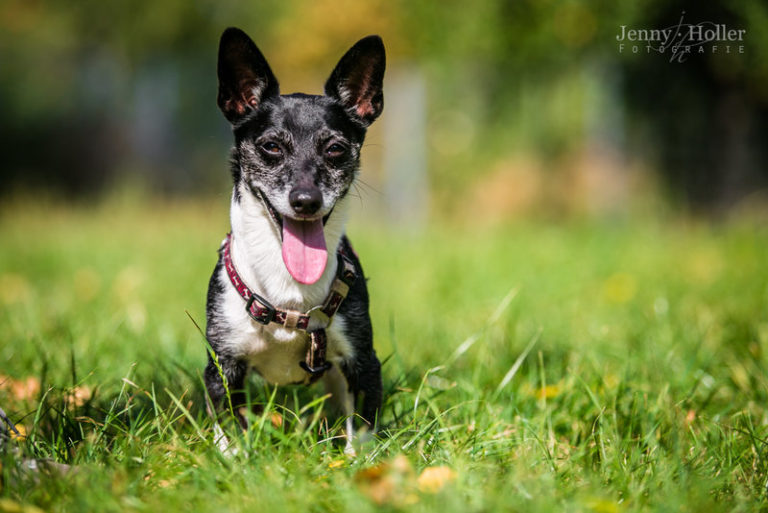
(343, 400)
(233, 371)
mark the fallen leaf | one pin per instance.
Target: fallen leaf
(86, 284)
(603, 506)
(371, 473)
(388, 482)
(79, 395)
(14, 288)
(504, 434)
(402, 466)
(376, 483)
(22, 435)
(9, 506)
(619, 288)
(545, 392)
(434, 479)
(380, 490)
(20, 389)
(439, 383)
(276, 419)
(548, 392)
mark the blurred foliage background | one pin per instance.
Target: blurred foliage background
(509, 107)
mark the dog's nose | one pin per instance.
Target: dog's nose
(305, 201)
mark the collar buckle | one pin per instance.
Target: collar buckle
(264, 311)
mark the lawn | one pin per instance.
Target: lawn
(574, 365)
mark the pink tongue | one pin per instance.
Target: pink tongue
(304, 251)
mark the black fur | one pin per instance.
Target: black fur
(285, 142)
(364, 372)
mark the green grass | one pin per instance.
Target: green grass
(553, 366)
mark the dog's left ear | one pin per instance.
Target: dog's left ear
(357, 81)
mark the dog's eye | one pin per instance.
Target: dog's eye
(272, 149)
(335, 150)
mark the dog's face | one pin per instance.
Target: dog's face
(300, 153)
(298, 146)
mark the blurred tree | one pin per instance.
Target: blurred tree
(704, 120)
(95, 93)
(514, 67)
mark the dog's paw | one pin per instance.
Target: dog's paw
(223, 444)
(349, 450)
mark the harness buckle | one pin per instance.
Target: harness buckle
(267, 313)
(314, 371)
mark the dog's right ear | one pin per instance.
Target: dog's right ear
(245, 79)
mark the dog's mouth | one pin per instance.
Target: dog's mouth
(304, 250)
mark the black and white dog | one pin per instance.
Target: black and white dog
(287, 297)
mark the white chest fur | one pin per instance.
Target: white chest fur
(272, 350)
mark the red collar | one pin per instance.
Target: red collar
(263, 312)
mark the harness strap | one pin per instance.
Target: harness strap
(315, 363)
(263, 312)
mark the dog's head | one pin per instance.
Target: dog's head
(299, 153)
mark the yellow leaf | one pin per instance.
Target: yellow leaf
(9, 506)
(548, 392)
(22, 433)
(401, 465)
(603, 506)
(434, 479)
(376, 483)
(619, 288)
(86, 284)
(14, 288)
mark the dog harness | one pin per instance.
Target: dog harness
(264, 313)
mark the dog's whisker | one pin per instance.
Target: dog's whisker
(356, 194)
(368, 187)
